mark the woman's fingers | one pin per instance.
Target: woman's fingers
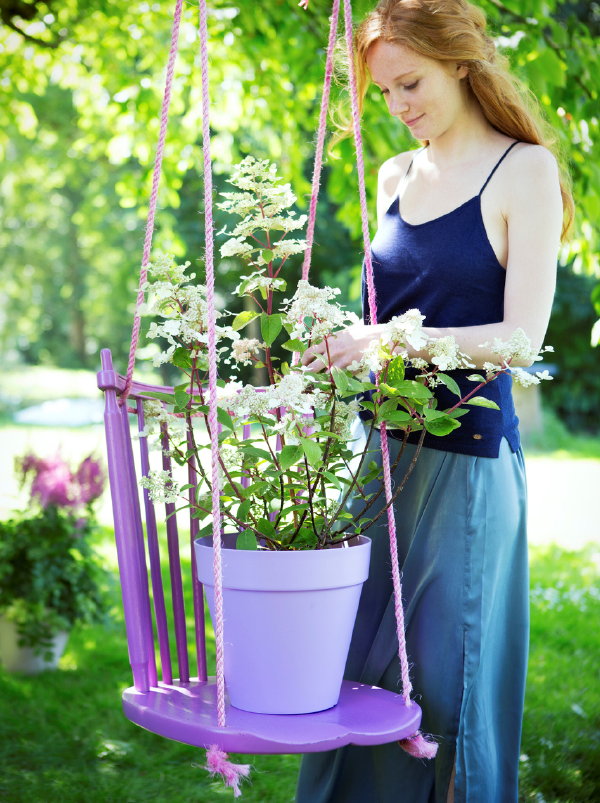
(314, 359)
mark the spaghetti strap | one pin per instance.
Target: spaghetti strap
(498, 163)
(412, 160)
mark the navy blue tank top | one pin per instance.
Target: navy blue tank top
(448, 270)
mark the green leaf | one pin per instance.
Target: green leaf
(257, 488)
(388, 406)
(481, 401)
(294, 345)
(289, 455)
(224, 418)
(441, 426)
(475, 378)
(252, 451)
(244, 509)
(395, 371)
(457, 413)
(168, 398)
(450, 383)
(181, 358)
(312, 450)
(266, 527)
(182, 397)
(246, 540)
(267, 255)
(270, 326)
(398, 418)
(408, 389)
(243, 319)
(340, 378)
(335, 481)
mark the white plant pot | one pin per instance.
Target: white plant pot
(24, 659)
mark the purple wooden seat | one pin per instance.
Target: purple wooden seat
(172, 694)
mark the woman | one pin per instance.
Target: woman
(469, 228)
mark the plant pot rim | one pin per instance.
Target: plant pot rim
(300, 570)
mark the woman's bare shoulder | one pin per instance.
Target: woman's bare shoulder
(532, 162)
(390, 173)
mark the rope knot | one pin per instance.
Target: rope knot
(419, 746)
(217, 763)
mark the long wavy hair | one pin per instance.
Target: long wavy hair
(455, 31)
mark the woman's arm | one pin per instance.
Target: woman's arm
(534, 219)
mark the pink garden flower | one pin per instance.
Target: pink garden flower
(54, 483)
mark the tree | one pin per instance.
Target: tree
(79, 110)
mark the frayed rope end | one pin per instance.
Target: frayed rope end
(419, 746)
(217, 763)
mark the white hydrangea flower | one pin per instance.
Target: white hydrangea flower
(491, 369)
(516, 349)
(419, 363)
(161, 486)
(165, 269)
(286, 248)
(524, 378)
(444, 352)
(244, 349)
(258, 223)
(345, 415)
(231, 456)
(406, 329)
(314, 302)
(248, 401)
(290, 393)
(242, 203)
(290, 427)
(163, 357)
(235, 247)
(372, 360)
(258, 281)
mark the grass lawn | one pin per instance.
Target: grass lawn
(63, 736)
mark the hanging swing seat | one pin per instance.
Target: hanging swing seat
(167, 698)
(185, 709)
(187, 712)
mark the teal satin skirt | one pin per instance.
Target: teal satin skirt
(461, 524)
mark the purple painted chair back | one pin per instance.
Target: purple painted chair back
(140, 557)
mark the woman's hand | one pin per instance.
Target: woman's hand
(341, 348)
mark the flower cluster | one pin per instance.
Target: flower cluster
(259, 236)
(245, 349)
(402, 332)
(182, 307)
(406, 329)
(54, 482)
(517, 349)
(290, 392)
(155, 414)
(314, 303)
(161, 486)
(445, 353)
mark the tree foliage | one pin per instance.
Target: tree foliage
(79, 116)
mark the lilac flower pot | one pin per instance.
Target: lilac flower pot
(288, 620)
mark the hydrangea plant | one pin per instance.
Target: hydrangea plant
(287, 466)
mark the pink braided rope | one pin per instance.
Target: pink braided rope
(316, 180)
(406, 684)
(212, 367)
(164, 117)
